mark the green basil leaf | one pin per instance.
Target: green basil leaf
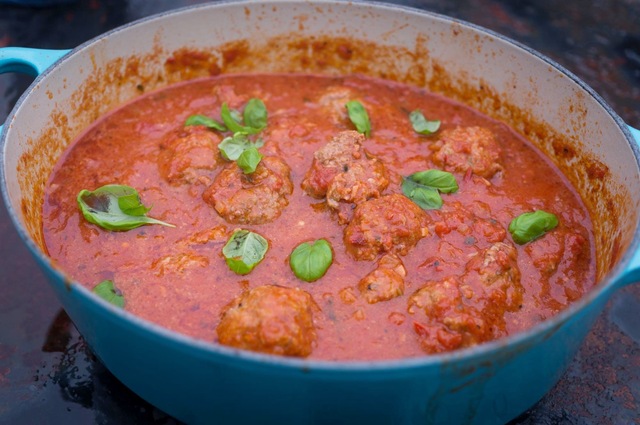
(424, 187)
(421, 124)
(130, 205)
(115, 207)
(309, 261)
(244, 250)
(232, 121)
(255, 114)
(427, 198)
(444, 181)
(249, 160)
(232, 147)
(236, 115)
(359, 117)
(108, 292)
(229, 120)
(206, 121)
(531, 225)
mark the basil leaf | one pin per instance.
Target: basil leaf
(235, 115)
(130, 205)
(421, 124)
(206, 121)
(309, 261)
(443, 181)
(424, 187)
(255, 114)
(531, 225)
(115, 207)
(427, 198)
(232, 147)
(244, 251)
(249, 160)
(231, 123)
(359, 117)
(107, 291)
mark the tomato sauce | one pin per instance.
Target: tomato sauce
(178, 278)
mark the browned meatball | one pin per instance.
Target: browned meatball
(556, 256)
(359, 181)
(203, 237)
(343, 171)
(187, 154)
(178, 263)
(555, 247)
(470, 309)
(468, 149)
(391, 223)
(494, 277)
(329, 161)
(385, 282)
(333, 103)
(270, 319)
(451, 323)
(255, 198)
(473, 221)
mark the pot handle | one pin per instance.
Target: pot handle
(635, 133)
(632, 273)
(28, 61)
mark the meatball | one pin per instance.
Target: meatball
(256, 198)
(227, 93)
(469, 309)
(187, 154)
(385, 282)
(473, 221)
(494, 276)
(217, 234)
(270, 319)
(333, 103)
(451, 323)
(179, 263)
(186, 257)
(343, 171)
(548, 252)
(468, 149)
(358, 182)
(556, 256)
(391, 223)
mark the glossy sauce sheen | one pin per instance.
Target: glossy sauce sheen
(177, 277)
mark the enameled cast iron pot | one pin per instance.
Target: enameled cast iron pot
(200, 382)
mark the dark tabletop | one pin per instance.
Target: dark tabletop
(48, 374)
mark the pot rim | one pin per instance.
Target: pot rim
(203, 348)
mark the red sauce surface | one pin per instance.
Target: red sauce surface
(177, 277)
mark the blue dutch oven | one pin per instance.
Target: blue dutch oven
(199, 382)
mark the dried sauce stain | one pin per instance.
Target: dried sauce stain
(616, 251)
(563, 150)
(189, 64)
(596, 170)
(302, 20)
(32, 167)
